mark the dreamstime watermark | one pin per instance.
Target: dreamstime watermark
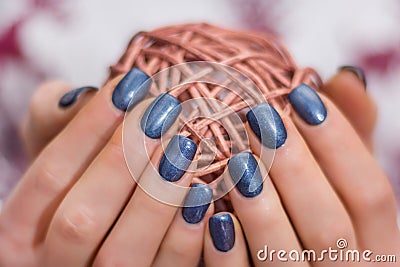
(339, 253)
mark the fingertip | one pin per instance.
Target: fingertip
(357, 71)
(45, 119)
(71, 97)
(224, 243)
(346, 90)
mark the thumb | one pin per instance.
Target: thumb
(347, 89)
(52, 107)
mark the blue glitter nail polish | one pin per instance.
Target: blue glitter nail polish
(222, 231)
(357, 71)
(177, 157)
(308, 105)
(70, 97)
(132, 89)
(196, 203)
(160, 115)
(245, 172)
(268, 126)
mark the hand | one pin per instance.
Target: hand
(78, 205)
(324, 185)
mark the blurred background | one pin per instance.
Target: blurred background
(76, 41)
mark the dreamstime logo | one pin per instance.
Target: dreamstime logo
(340, 253)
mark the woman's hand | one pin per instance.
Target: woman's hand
(324, 185)
(318, 191)
(78, 205)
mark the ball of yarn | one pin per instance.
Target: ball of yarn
(260, 57)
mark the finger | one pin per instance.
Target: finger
(183, 243)
(146, 218)
(300, 182)
(260, 211)
(347, 89)
(94, 203)
(349, 166)
(224, 243)
(46, 118)
(56, 169)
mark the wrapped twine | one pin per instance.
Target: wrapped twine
(262, 58)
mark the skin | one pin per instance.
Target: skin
(73, 219)
(64, 220)
(351, 198)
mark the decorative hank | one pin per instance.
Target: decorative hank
(262, 58)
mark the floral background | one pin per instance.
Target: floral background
(76, 41)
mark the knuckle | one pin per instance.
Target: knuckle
(76, 225)
(107, 259)
(323, 239)
(377, 200)
(47, 181)
(178, 252)
(270, 218)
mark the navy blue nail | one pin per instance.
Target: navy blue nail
(70, 97)
(222, 231)
(307, 103)
(132, 89)
(357, 71)
(160, 115)
(177, 157)
(196, 203)
(245, 172)
(266, 123)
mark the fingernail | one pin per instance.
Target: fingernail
(132, 89)
(177, 157)
(357, 71)
(245, 172)
(222, 231)
(70, 97)
(196, 203)
(266, 123)
(160, 115)
(307, 103)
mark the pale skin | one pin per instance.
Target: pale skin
(82, 207)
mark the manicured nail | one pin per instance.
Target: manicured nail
(177, 157)
(307, 103)
(245, 172)
(132, 89)
(266, 123)
(160, 115)
(196, 203)
(70, 97)
(222, 231)
(357, 71)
